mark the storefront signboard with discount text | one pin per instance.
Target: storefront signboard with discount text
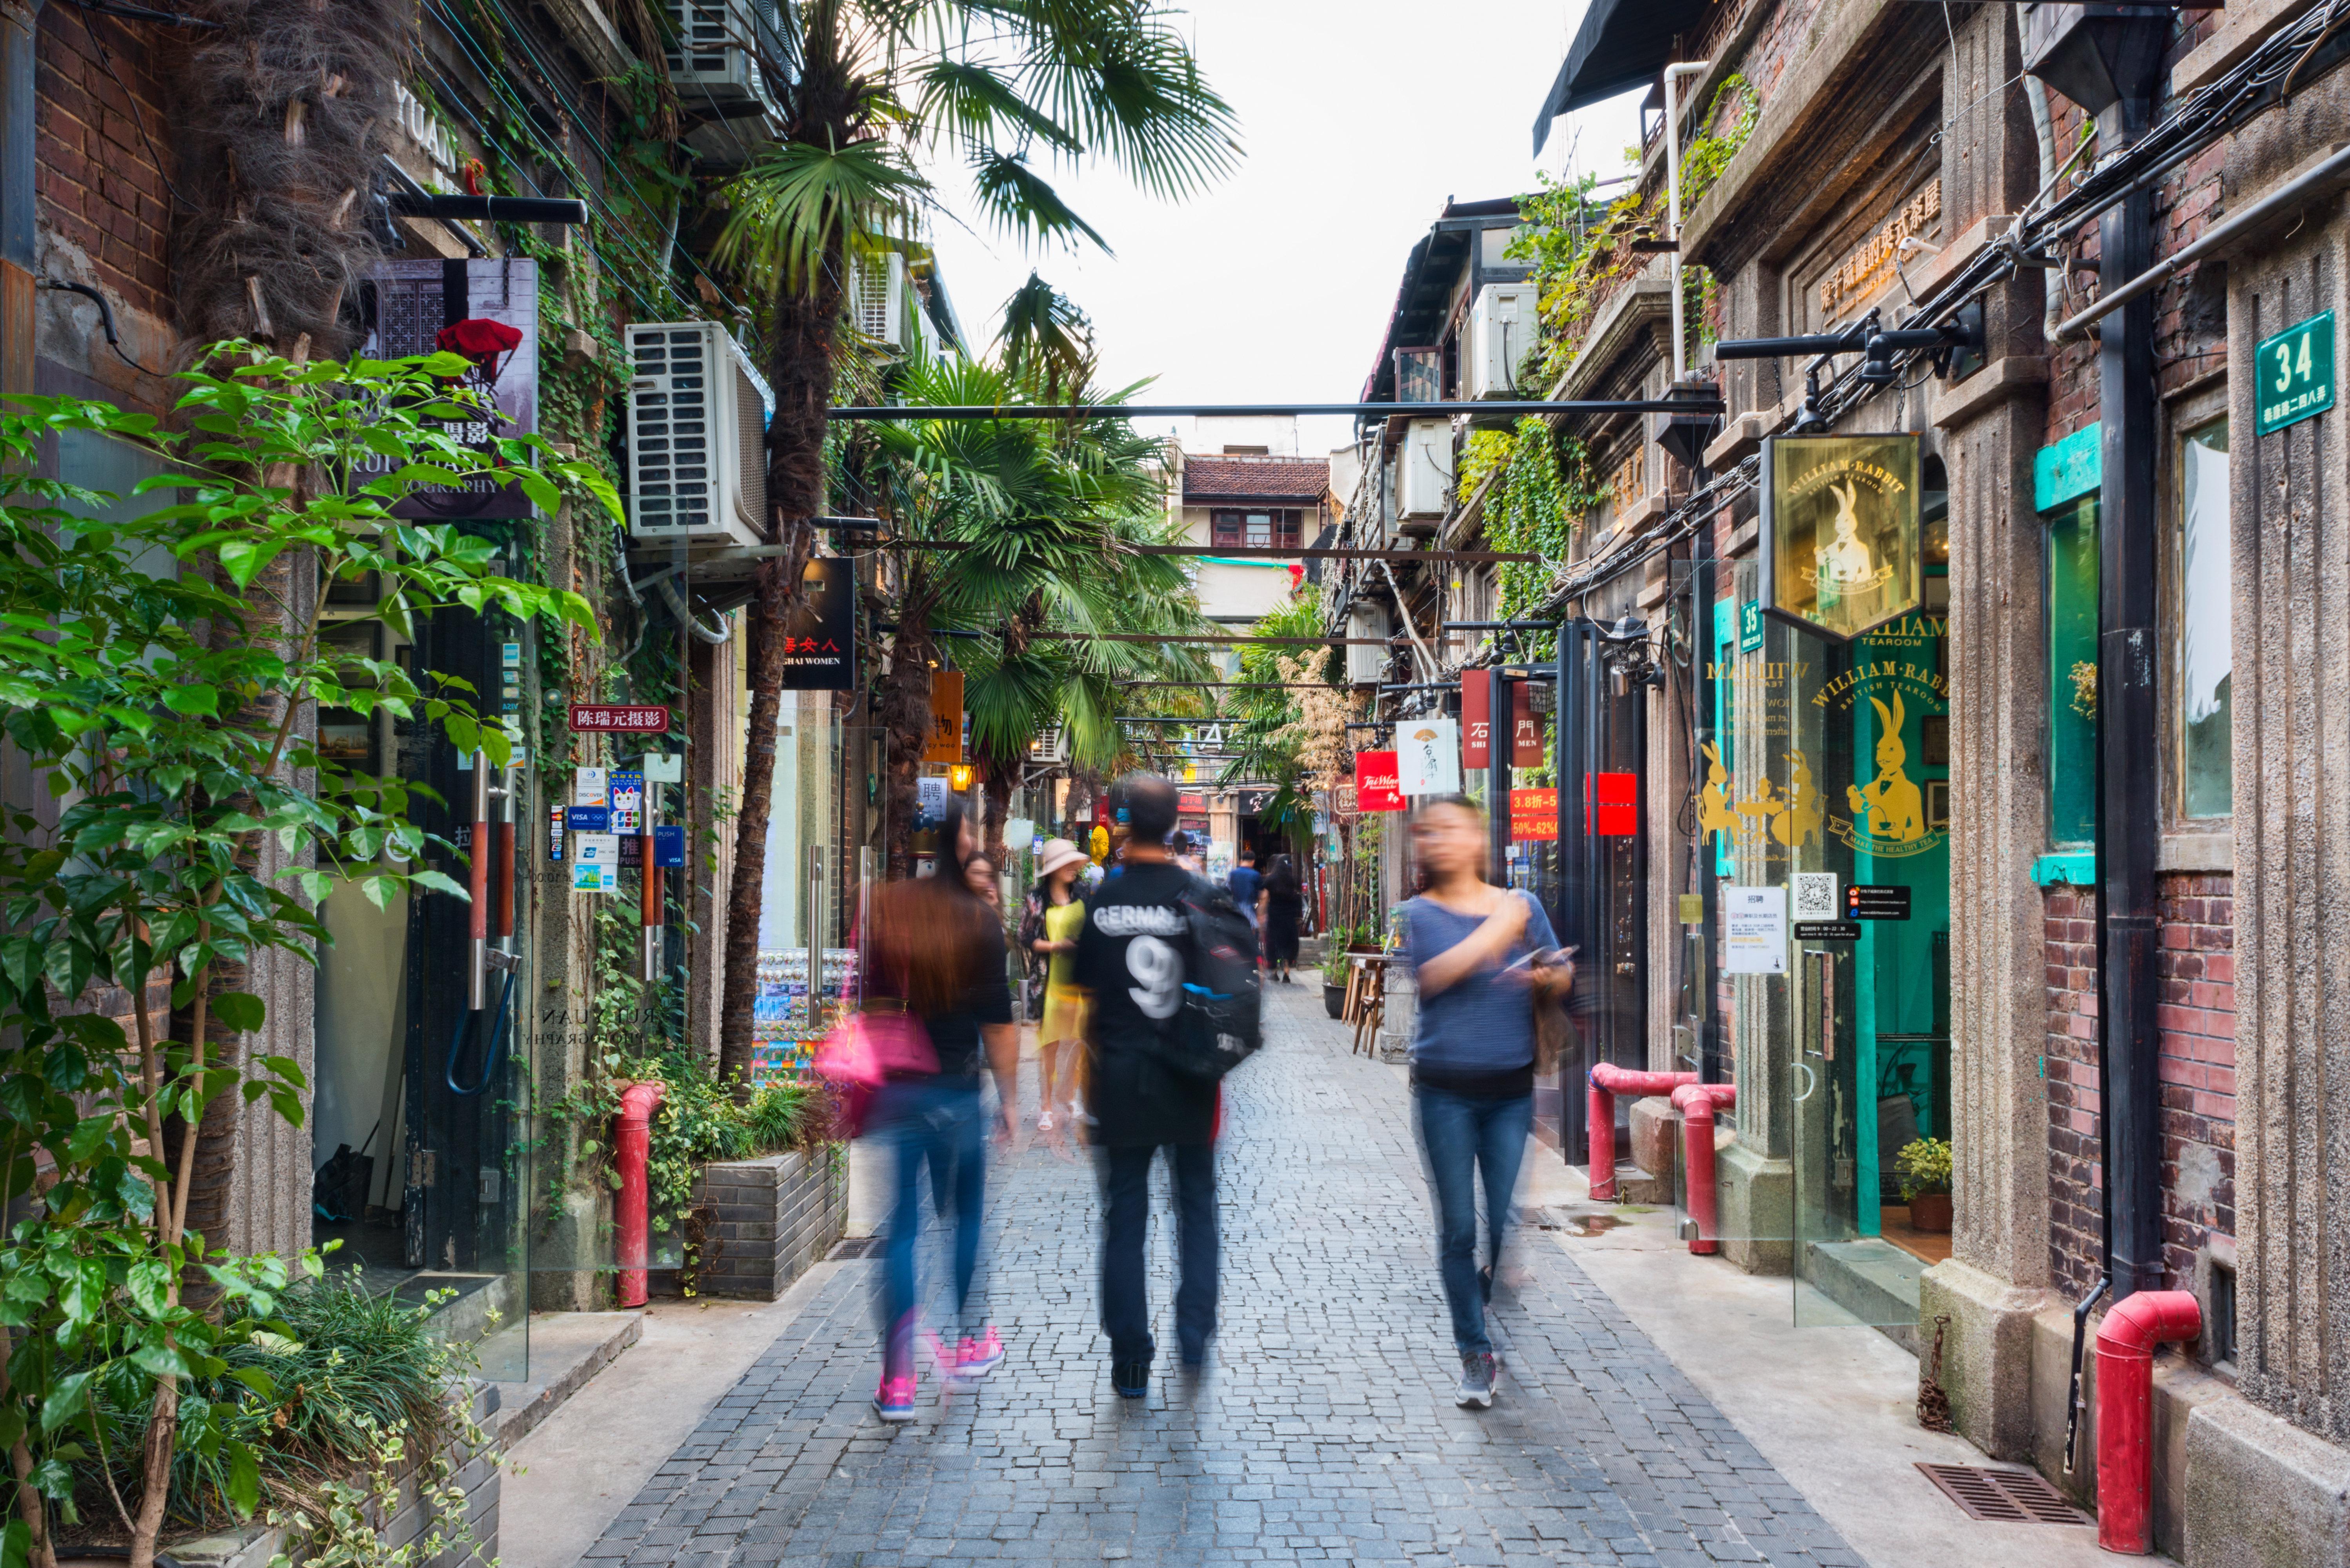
(1376, 788)
(1754, 939)
(2293, 374)
(1842, 532)
(610, 719)
(1534, 816)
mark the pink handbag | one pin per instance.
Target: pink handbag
(864, 1051)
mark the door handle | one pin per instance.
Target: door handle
(1811, 1082)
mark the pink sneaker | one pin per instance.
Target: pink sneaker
(975, 1359)
(895, 1399)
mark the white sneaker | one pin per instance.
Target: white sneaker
(1480, 1373)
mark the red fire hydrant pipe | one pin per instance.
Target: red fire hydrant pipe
(2125, 1343)
(1696, 1102)
(1607, 1081)
(632, 1146)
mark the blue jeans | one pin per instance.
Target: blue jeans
(1458, 1136)
(939, 1122)
(1125, 1226)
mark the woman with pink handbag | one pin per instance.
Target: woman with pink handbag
(938, 1014)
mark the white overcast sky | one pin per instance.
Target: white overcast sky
(1358, 119)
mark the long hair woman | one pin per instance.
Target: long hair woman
(1480, 953)
(938, 948)
(1060, 918)
(1281, 900)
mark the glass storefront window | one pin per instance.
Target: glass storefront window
(2205, 650)
(2071, 618)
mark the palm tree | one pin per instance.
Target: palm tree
(873, 88)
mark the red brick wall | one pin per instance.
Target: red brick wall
(99, 187)
(2197, 1017)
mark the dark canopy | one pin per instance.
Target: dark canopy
(1622, 44)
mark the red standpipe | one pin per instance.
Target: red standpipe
(1696, 1102)
(2125, 1343)
(632, 1148)
(1607, 1081)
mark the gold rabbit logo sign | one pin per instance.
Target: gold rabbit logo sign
(1841, 526)
(1887, 806)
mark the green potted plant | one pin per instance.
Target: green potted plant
(1924, 1166)
(1334, 977)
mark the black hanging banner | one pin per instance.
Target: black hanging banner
(820, 634)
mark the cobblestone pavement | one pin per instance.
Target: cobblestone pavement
(1323, 1430)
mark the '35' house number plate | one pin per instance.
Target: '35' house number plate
(2292, 373)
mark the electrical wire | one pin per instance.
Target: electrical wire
(106, 60)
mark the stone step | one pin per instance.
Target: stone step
(567, 1348)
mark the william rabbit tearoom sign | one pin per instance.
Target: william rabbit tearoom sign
(1841, 532)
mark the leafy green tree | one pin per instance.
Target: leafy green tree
(876, 92)
(151, 708)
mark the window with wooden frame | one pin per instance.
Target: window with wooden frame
(1260, 529)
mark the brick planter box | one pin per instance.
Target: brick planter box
(767, 1221)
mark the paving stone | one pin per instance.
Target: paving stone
(1323, 1430)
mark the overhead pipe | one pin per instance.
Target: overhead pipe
(1606, 1081)
(633, 1145)
(1697, 1104)
(1673, 75)
(2125, 1343)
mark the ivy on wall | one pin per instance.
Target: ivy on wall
(1543, 484)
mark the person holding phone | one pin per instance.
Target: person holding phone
(1481, 955)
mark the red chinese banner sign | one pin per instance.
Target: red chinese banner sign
(1534, 816)
(1476, 719)
(602, 718)
(1525, 730)
(1376, 788)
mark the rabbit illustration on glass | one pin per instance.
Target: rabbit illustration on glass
(1889, 806)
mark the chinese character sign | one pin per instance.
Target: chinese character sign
(1427, 756)
(945, 744)
(604, 718)
(820, 633)
(1841, 531)
(1476, 718)
(1534, 816)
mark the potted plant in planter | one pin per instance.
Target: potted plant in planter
(1924, 1167)
(1335, 968)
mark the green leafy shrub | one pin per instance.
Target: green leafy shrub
(1924, 1166)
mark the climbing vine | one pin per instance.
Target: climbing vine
(1544, 483)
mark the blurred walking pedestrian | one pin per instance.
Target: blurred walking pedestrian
(1056, 915)
(939, 951)
(1246, 881)
(1283, 905)
(978, 876)
(1481, 955)
(1131, 961)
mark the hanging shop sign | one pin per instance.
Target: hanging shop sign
(1525, 729)
(945, 744)
(1376, 788)
(1476, 719)
(1533, 816)
(610, 719)
(1841, 532)
(1615, 804)
(2293, 374)
(1427, 756)
(820, 632)
(1754, 930)
(1250, 802)
(1191, 805)
(487, 311)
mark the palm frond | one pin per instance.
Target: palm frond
(795, 204)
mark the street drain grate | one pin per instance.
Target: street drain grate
(855, 1247)
(2008, 1496)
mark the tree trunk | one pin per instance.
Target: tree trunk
(806, 325)
(996, 780)
(905, 715)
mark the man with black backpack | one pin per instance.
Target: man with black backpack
(1171, 967)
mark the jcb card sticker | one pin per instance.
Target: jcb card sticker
(595, 863)
(1754, 936)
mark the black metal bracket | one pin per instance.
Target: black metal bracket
(1874, 342)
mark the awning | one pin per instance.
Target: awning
(1622, 44)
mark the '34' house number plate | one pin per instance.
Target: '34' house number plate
(2294, 373)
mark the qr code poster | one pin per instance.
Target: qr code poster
(1815, 896)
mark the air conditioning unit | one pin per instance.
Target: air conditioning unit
(1501, 326)
(716, 50)
(697, 437)
(1424, 480)
(1050, 745)
(1367, 665)
(877, 290)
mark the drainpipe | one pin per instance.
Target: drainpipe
(20, 223)
(632, 1148)
(2125, 1343)
(1607, 1081)
(2129, 803)
(1696, 1102)
(1673, 75)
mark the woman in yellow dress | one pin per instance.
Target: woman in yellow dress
(1060, 1036)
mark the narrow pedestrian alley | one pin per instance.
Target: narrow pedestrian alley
(1324, 1429)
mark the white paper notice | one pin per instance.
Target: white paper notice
(1427, 756)
(587, 787)
(664, 767)
(1755, 938)
(595, 862)
(1815, 895)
